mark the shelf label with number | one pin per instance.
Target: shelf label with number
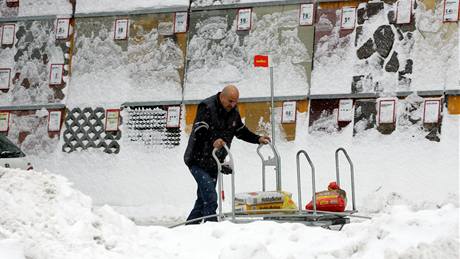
(451, 10)
(8, 32)
(387, 111)
(289, 112)
(306, 14)
(345, 110)
(121, 29)
(403, 11)
(431, 110)
(348, 18)
(5, 78)
(4, 121)
(244, 19)
(56, 73)
(112, 119)
(173, 117)
(62, 28)
(180, 22)
(54, 121)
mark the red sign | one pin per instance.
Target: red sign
(260, 61)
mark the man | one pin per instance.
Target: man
(217, 121)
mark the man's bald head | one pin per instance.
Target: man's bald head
(229, 97)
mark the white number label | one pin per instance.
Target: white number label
(244, 19)
(173, 117)
(180, 22)
(348, 18)
(121, 29)
(451, 10)
(306, 14)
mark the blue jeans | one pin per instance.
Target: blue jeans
(206, 202)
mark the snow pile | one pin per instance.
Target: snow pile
(218, 57)
(152, 185)
(90, 6)
(48, 217)
(105, 73)
(44, 218)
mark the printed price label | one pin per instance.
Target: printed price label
(289, 112)
(4, 121)
(180, 22)
(54, 121)
(62, 29)
(56, 72)
(348, 18)
(244, 19)
(8, 31)
(112, 119)
(403, 11)
(173, 117)
(431, 110)
(345, 110)
(121, 29)
(387, 111)
(5, 78)
(306, 14)
(451, 10)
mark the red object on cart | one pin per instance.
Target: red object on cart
(334, 199)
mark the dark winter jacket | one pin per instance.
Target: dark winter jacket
(212, 122)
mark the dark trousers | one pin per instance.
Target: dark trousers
(206, 202)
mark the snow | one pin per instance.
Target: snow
(215, 50)
(37, 8)
(407, 184)
(224, 2)
(44, 7)
(434, 68)
(61, 223)
(90, 6)
(87, 204)
(39, 36)
(109, 73)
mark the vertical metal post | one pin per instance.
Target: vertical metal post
(273, 105)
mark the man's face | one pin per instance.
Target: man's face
(229, 101)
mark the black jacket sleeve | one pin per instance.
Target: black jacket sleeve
(243, 133)
(202, 123)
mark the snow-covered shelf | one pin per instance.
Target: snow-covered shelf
(32, 107)
(153, 103)
(31, 18)
(258, 4)
(132, 12)
(259, 99)
(375, 95)
(453, 92)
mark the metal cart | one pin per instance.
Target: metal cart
(313, 217)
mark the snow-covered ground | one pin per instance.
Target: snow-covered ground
(409, 186)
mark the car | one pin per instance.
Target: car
(11, 156)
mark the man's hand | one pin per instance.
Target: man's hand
(264, 140)
(219, 143)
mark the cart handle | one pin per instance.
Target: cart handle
(220, 179)
(275, 161)
(352, 172)
(299, 195)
